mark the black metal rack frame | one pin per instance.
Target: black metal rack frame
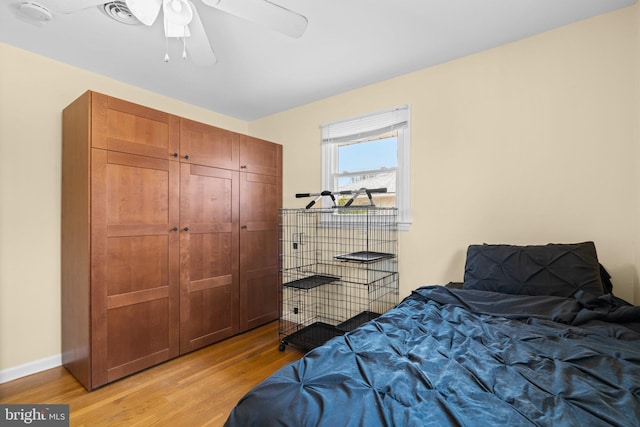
(338, 270)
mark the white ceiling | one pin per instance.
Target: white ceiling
(348, 44)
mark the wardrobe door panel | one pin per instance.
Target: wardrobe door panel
(208, 145)
(203, 319)
(209, 255)
(262, 292)
(138, 335)
(126, 127)
(260, 156)
(259, 240)
(135, 262)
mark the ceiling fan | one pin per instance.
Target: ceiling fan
(181, 18)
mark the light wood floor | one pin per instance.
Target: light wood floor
(198, 389)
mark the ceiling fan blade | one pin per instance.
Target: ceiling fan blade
(198, 44)
(145, 11)
(266, 13)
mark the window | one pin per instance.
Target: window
(370, 151)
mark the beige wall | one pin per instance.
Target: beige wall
(531, 142)
(33, 92)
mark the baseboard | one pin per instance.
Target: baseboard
(34, 367)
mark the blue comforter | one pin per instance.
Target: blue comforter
(470, 358)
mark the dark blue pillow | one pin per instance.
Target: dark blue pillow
(553, 269)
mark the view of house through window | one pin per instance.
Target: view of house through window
(370, 151)
(370, 164)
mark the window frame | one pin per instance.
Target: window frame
(363, 128)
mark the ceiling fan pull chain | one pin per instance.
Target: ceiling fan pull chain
(184, 47)
(166, 49)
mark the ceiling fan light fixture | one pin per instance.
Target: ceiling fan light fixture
(177, 12)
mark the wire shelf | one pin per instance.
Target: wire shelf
(338, 270)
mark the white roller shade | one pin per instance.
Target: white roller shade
(365, 127)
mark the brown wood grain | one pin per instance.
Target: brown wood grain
(135, 280)
(75, 239)
(123, 126)
(208, 145)
(261, 197)
(260, 156)
(198, 389)
(209, 266)
(154, 263)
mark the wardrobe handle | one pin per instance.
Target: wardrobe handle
(174, 229)
(186, 229)
(243, 167)
(175, 155)
(186, 156)
(244, 227)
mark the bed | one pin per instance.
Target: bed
(534, 336)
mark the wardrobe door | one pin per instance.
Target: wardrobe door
(135, 263)
(208, 145)
(209, 255)
(261, 197)
(122, 126)
(260, 156)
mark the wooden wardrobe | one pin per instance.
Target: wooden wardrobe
(169, 236)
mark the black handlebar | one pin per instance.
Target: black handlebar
(352, 193)
(341, 193)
